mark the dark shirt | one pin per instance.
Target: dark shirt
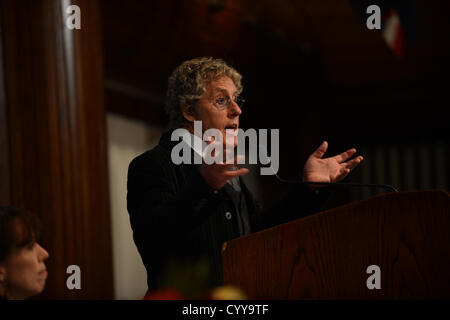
(234, 191)
(174, 213)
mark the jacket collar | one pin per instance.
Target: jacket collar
(195, 143)
(165, 140)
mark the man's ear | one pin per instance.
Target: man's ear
(188, 112)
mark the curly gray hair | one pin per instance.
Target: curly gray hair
(188, 82)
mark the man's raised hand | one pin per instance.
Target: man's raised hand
(332, 169)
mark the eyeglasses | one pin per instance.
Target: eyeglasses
(222, 102)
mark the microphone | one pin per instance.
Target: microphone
(338, 184)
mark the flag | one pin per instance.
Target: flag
(398, 21)
(392, 32)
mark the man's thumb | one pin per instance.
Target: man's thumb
(320, 151)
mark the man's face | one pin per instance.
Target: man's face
(217, 92)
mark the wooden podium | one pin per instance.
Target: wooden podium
(326, 255)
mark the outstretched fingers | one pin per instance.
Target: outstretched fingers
(345, 155)
(230, 170)
(236, 173)
(346, 167)
(353, 163)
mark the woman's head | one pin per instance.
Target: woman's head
(22, 269)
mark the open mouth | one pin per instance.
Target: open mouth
(231, 127)
(231, 130)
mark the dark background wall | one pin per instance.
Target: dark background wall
(311, 68)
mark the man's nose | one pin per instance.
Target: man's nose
(234, 109)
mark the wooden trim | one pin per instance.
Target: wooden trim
(58, 138)
(5, 182)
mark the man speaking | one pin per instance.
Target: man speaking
(187, 210)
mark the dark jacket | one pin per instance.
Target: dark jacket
(174, 213)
